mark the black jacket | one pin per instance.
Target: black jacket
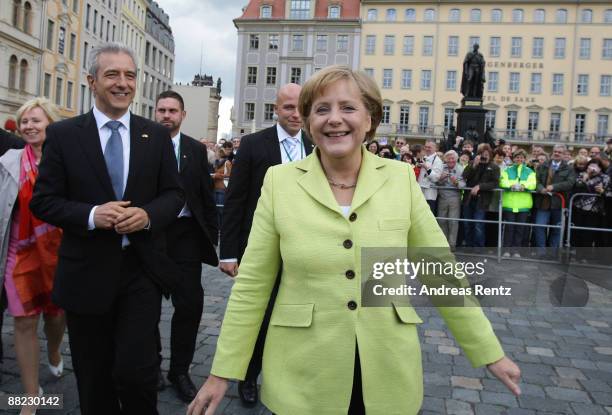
(73, 178)
(484, 175)
(257, 153)
(562, 181)
(9, 141)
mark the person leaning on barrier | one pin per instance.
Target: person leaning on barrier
(589, 210)
(312, 219)
(555, 176)
(482, 176)
(517, 181)
(449, 200)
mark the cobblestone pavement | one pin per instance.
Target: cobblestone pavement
(565, 355)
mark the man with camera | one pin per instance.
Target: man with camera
(431, 169)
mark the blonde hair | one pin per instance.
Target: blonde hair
(314, 87)
(44, 104)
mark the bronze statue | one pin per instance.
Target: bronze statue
(472, 82)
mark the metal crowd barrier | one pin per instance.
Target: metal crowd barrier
(580, 228)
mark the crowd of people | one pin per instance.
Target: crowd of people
(468, 179)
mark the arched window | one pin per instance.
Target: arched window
(372, 15)
(539, 16)
(496, 15)
(430, 15)
(12, 80)
(608, 16)
(561, 16)
(266, 12)
(517, 16)
(587, 16)
(475, 15)
(27, 17)
(454, 15)
(16, 13)
(23, 75)
(391, 15)
(334, 12)
(410, 15)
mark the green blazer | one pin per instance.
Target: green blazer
(309, 352)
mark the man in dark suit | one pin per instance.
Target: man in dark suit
(282, 143)
(109, 179)
(190, 241)
(9, 141)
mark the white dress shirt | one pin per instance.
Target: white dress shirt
(282, 135)
(105, 132)
(176, 143)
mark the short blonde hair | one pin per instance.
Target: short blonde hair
(44, 104)
(314, 87)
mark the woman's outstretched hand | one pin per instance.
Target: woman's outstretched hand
(508, 372)
(209, 396)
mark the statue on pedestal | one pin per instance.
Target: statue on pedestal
(473, 79)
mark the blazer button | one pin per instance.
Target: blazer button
(352, 305)
(353, 217)
(348, 244)
(350, 274)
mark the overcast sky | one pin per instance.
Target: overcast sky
(206, 26)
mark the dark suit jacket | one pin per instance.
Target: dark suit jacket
(487, 177)
(198, 187)
(73, 178)
(563, 181)
(9, 141)
(258, 152)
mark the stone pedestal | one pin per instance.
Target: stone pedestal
(471, 112)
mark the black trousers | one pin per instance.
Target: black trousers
(114, 355)
(185, 240)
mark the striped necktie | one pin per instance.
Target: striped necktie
(293, 145)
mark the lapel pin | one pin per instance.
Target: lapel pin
(144, 136)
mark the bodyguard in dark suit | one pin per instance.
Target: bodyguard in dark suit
(282, 143)
(190, 241)
(109, 179)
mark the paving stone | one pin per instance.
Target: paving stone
(593, 385)
(448, 350)
(465, 382)
(568, 372)
(435, 405)
(604, 350)
(602, 398)
(488, 409)
(588, 409)
(466, 395)
(454, 407)
(565, 394)
(497, 398)
(539, 404)
(540, 351)
(598, 323)
(583, 364)
(435, 333)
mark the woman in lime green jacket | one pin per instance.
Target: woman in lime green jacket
(326, 354)
(518, 181)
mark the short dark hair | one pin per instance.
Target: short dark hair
(171, 94)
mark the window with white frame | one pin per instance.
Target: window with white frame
(606, 50)
(299, 9)
(449, 116)
(269, 112)
(252, 75)
(370, 44)
(490, 119)
(539, 16)
(494, 46)
(391, 15)
(555, 123)
(516, 48)
(586, 16)
(334, 12)
(535, 86)
(514, 85)
(454, 15)
(511, 121)
(585, 48)
(561, 16)
(404, 119)
(410, 15)
(372, 15)
(389, 45)
(605, 85)
(253, 42)
(249, 111)
(533, 120)
(580, 125)
(537, 48)
(472, 40)
(517, 16)
(369, 72)
(408, 46)
(427, 45)
(297, 43)
(341, 43)
(608, 16)
(406, 79)
(559, 47)
(387, 81)
(273, 41)
(423, 118)
(451, 80)
(430, 15)
(271, 75)
(453, 45)
(266, 12)
(582, 86)
(493, 82)
(602, 125)
(386, 114)
(557, 84)
(496, 15)
(475, 15)
(321, 43)
(425, 80)
(296, 75)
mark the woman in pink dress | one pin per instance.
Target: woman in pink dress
(28, 254)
